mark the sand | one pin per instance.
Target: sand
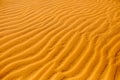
(59, 40)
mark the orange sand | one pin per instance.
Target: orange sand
(59, 39)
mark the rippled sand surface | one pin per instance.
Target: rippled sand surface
(59, 39)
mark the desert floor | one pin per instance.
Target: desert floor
(59, 39)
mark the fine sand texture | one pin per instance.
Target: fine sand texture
(59, 39)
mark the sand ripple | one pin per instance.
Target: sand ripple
(60, 40)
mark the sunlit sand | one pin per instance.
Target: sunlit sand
(59, 39)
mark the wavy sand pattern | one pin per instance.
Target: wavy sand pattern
(59, 40)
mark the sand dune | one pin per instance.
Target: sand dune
(60, 40)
